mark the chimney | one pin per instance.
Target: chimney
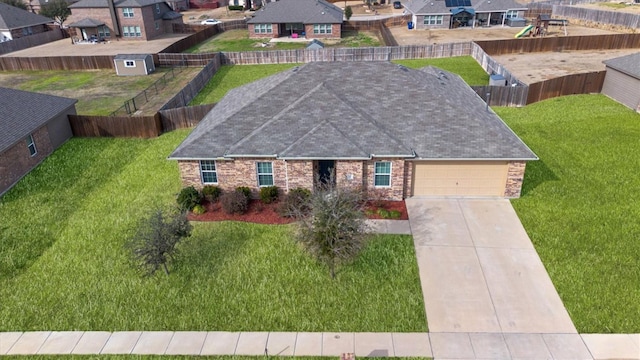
(114, 17)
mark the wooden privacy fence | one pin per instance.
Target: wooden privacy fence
(586, 83)
(185, 59)
(30, 41)
(386, 53)
(183, 117)
(491, 66)
(624, 19)
(184, 97)
(200, 34)
(56, 63)
(568, 43)
(116, 126)
(503, 95)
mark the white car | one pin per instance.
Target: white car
(210, 22)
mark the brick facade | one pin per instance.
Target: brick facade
(515, 177)
(16, 161)
(28, 30)
(292, 174)
(308, 28)
(274, 34)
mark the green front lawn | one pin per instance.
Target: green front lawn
(580, 205)
(63, 267)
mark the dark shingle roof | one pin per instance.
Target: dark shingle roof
(298, 11)
(23, 112)
(117, 3)
(353, 110)
(14, 18)
(87, 23)
(629, 64)
(421, 7)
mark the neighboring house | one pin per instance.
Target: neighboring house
(310, 18)
(428, 14)
(428, 135)
(127, 19)
(133, 64)
(16, 23)
(622, 80)
(33, 126)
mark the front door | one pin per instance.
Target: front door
(325, 168)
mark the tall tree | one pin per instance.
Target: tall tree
(17, 3)
(154, 243)
(333, 230)
(57, 10)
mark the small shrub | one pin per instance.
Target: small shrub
(383, 213)
(236, 7)
(296, 202)
(245, 190)
(188, 198)
(199, 209)
(234, 202)
(394, 214)
(348, 12)
(268, 194)
(211, 192)
(369, 212)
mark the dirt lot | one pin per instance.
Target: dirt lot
(613, 6)
(64, 47)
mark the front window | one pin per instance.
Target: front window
(265, 174)
(27, 31)
(131, 31)
(433, 20)
(129, 63)
(157, 25)
(263, 28)
(322, 28)
(31, 145)
(382, 174)
(158, 8)
(127, 12)
(208, 172)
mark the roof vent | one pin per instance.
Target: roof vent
(403, 68)
(296, 68)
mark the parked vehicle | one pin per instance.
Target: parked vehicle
(210, 22)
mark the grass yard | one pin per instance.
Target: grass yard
(63, 266)
(465, 66)
(580, 205)
(232, 76)
(238, 40)
(99, 92)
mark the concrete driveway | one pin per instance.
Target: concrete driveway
(479, 270)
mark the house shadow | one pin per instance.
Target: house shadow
(536, 174)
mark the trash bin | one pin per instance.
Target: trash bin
(410, 25)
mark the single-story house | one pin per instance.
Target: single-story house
(127, 19)
(429, 14)
(297, 18)
(16, 23)
(33, 126)
(429, 135)
(622, 80)
(134, 64)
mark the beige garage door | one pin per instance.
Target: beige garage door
(459, 178)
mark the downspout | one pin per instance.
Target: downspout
(114, 17)
(286, 176)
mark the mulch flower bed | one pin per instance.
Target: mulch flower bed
(268, 213)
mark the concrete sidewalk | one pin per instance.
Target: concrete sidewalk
(479, 271)
(436, 345)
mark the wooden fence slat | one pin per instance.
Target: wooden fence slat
(116, 126)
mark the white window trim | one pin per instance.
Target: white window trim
(30, 143)
(128, 12)
(376, 174)
(258, 173)
(158, 8)
(131, 62)
(215, 165)
(263, 28)
(433, 20)
(322, 29)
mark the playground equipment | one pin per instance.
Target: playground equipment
(524, 31)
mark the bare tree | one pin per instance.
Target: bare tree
(332, 226)
(154, 243)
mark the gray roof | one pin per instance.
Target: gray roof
(629, 64)
(298, 11)
(14, 18)
(422, 7)
(23, 112)
(360, 110)
(87, 23)
(131, 56)
(315, 44)
(117, 3)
